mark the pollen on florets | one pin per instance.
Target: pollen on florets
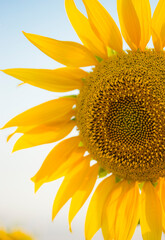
(121, 115)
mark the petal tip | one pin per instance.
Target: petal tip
(14, 150)
(70, 228)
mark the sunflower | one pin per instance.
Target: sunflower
(119, 112)
(14, 235)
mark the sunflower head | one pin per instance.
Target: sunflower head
(121, 115)
(119, 112)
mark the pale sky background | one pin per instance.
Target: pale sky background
(19, 207)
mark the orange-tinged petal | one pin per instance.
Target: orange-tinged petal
(103, 25)
(97, 202)
(143, 10)
(68, 53)
(128, 216)
(110, 208)
(150, 213)
(58, 80)
(83, 192)
(158, 26)
(70, 185)
(32, 140)
(50, 111)
(60, 164)
(129, 23)
(84, 31)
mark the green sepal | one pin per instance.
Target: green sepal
(117, 179)
(141, 185)
(111, 52)
(81, 144)
(73, 119)
(154, 184)
(83, 79)
(70, 96)
(102, 172)
(99, 59)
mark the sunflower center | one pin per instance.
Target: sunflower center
(121, 115)
(128, 122)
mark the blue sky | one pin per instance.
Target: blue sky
(19, 206)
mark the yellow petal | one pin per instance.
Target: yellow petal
(110, 208)
(31, 140)
(156, 41)
(76, 156)
(83, 192)
(160, 188)
(60, 164)
(18, 235)
(4, 235)
(158, 26)
(68, 53)
(97, 202)
(143, 11)
(20, 130)
(103, 25)
(150, 213)
(58, 80)
(57, 157)
(129, 23)
(43, 127)
(83, 29)
(69, 186)
(53, 110)
(128, 216)
(162, 192)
